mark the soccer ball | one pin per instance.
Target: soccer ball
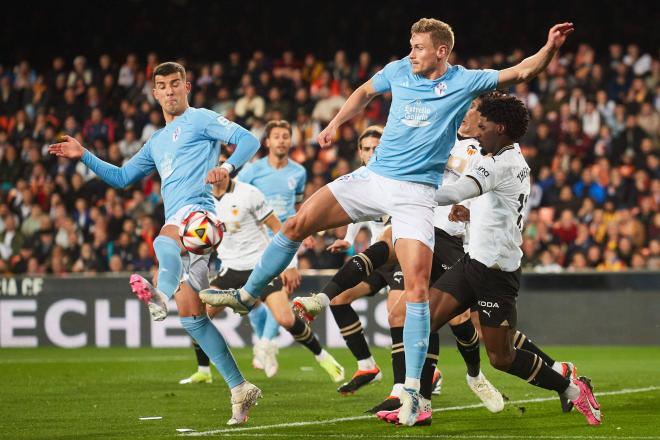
(200, 232)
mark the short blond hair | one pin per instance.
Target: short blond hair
(441, 32)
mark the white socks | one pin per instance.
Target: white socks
(246, 298)
(396, 390)
(572, 392)
(321, 356)
(412, 383)
(367, 364)
(558, 367)
(206, 370)
(323, 299)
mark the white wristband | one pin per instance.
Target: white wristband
(229, 167)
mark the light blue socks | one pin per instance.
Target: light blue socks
(170, 267)
(275, 259)
(210, 339)
(416, 330)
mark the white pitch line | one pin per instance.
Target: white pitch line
(446, 436)
(72, 360)
(237, 431)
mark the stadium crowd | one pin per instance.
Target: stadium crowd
(592, 145)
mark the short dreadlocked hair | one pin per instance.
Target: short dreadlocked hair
(506, 110)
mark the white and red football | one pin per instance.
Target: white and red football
(200, 232)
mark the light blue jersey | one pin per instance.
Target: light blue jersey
(183, 152)
(282, 187)
(424, 118)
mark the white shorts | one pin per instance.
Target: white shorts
(195, 267)
(365, 195)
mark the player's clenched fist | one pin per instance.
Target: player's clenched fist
(217, 175)
(459, 213)
(326, 137)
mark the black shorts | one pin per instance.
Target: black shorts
(491, 292)
(447, 251)
(388, 275)
(235, 279)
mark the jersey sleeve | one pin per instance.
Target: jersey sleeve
(215, 126)
(258, 205)
(485, 174)
(480, 81)
(136, 168)
(300, 186)
(382, 80)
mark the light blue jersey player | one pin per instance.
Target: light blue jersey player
(184, 153)
(429, 99)
(281, 180)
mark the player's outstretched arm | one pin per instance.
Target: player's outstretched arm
(353, 105)
(464, 188)
(537, 63)
(139, 166)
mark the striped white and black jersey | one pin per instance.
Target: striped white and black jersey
(497, 216)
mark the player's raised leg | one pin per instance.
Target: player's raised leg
(168, 248)
(320, 212)
(356, 270)
(278, 303)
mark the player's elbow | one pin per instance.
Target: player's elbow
(525, 75)
(366, 92)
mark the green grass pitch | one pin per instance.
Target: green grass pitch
(101, 394)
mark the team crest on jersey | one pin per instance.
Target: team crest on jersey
(471, 150)
(234, 210)
(176, 134)
(440, 89)
(291, 183)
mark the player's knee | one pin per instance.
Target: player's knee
(500, 361)
(396, 319)
(212, 311)
(285, 318)
(287, 321)
(340, 300)
(419, 292)
(294, 228)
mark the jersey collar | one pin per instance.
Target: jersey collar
(230, 188)
(503, 149)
